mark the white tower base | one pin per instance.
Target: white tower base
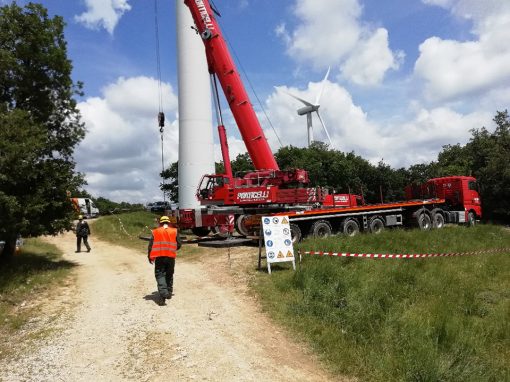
(196, 154)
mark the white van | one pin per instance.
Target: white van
(85, 207)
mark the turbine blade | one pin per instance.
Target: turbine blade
(296, 97)
(325, 130)
(322, 86)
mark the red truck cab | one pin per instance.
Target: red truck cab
(459, 192)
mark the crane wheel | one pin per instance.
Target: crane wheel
(295, 233)
(350, 227)
(240, 226)
(376, 225)
(321, 228)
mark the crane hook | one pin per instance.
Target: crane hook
(161, 121)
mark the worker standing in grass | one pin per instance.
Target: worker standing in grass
(82, 232)
(162, 251)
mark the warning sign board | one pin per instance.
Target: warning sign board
(277, 240)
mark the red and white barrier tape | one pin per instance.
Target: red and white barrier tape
(402, 256)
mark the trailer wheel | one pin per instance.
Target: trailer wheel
(424, 221)
(240, 226)
(437, 218)
(471, 219)
(351, 227)
(200, 231)
(376, 225)
(295, 233)
(321, 228)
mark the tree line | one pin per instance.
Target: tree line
(486, 157)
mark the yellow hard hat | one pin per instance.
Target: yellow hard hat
(80, 217)
(164, 219)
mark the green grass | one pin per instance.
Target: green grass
(125, 229)
(35, 269)
(436, 319)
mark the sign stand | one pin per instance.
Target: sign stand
(261, 237)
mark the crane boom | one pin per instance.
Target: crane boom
(221, 65)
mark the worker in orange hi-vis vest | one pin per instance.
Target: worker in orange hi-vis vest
(163, 246)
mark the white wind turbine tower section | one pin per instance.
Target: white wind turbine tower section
(196, 156)
(313, 108)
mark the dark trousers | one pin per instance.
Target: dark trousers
(164, 272)
(85, 241)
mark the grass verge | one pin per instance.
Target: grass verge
(125, 230)
(35, 269)
(436, 319)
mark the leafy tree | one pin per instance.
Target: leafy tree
(242, 163)
(171, 181)
(454, 160)
(40, 125)
(107, 206)
(486, 157)
(490, 153)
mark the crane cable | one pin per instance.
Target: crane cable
(161, 115)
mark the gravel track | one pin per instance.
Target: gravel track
(106, 326)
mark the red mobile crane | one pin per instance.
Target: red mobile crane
(268, 189)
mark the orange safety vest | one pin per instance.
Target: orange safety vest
(165, 242)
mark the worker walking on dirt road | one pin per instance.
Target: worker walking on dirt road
(82, 232)
(163, 246)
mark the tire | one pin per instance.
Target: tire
(437, 218)
(200, 231)
(295, 233)
(350, 227)
(424, 221)
(240, 227)
(376, 225)
(321, 228)
(471, 219)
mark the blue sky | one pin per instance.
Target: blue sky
(407, 77)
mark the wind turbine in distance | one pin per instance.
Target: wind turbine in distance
(311, 108)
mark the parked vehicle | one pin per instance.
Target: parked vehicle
(160, 206)
(85, 207)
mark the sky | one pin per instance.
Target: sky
(407, 77)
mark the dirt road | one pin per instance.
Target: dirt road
(106, 326)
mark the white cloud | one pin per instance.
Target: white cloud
(368, 63)
(103, 14)
(452, 69)
(330, 32)
(120, 154)
(400, 143)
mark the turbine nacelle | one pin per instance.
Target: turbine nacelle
(308, 109)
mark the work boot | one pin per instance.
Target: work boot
(161, 301)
